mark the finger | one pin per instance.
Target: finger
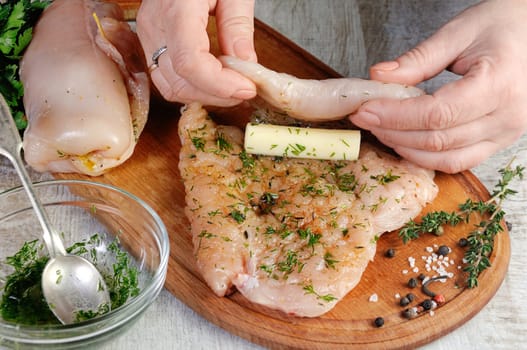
(235, 22)
(452, 105)
(452, 161)
(188, 49)
(178, 89)
(428, 58)
(486, 128)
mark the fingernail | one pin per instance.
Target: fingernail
(244, 49)
(386, 66)
(244, 94)
(365, 119)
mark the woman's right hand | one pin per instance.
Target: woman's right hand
(187, 71)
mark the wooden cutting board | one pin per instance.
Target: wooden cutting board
(152, 174)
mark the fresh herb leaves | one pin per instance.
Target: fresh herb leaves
(481, 238)
(22, 299)
(17, 18)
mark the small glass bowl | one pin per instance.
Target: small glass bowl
(78, 209)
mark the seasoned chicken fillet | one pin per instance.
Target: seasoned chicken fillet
(291, 234)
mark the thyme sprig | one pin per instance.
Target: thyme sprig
(481, 238)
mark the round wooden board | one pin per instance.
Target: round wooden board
(152, 174)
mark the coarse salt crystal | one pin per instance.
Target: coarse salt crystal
(416, 269)
(405, 272)
(397, 296)
(374, 298)
(429, 249)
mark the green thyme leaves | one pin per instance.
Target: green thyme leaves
(481, 238)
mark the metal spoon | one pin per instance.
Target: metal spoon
(70, 283)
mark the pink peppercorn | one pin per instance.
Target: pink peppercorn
(439, 299)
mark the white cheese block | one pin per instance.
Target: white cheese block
(296, 142)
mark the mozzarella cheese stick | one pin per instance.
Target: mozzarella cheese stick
(297, 142)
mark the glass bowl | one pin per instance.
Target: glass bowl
(79, 209)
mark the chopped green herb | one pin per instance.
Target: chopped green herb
(330, 262)
(199, 143)
(23, 301)
(309, 289)
(238, 216)
(296, 148)
(383, 179)
(290, 263)
(247, 160)
(222, 143)
(312, 238)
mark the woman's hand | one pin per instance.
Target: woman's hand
(465, 121)
(187, 71)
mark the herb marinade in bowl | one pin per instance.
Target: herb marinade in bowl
(118, 232)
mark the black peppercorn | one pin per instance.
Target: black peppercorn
(379, 322)
(410, 313)
(410, 296)
(390, 253)
(443, 250)
(463, 242)
(427, 304)
(421, 277)
(404, 301)
(412, 282)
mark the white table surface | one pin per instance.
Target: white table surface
(350, 35)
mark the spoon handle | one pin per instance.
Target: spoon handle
(11, 147)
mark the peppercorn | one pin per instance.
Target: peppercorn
(410, 313)
(463, 242)
(410, 296)
(390, 253)
(421, 277)
(439, 299)
(427, 304)
(404, 301)
(379, 322)
(412, 282)
(443, 250)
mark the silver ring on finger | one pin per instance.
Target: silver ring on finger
(155, 58)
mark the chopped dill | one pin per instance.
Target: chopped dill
(309, 289)
(23, 301)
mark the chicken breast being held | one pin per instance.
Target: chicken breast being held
(86, 90)
(291, 234)
(313, 100)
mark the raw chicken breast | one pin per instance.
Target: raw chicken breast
(86, 90)
(316, 100)
(291, 234)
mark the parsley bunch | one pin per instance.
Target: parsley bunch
(481, 238)
(17, 18)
